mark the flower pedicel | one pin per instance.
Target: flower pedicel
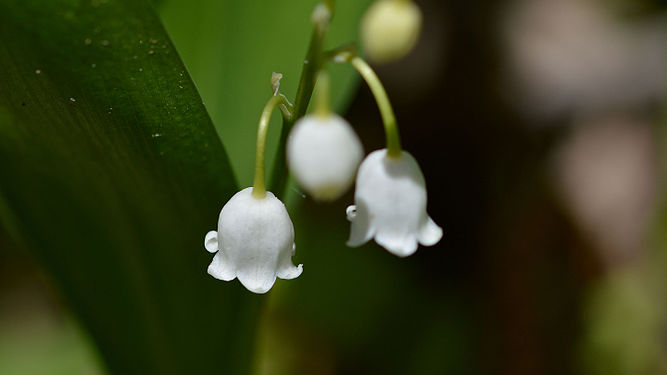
(390, 196)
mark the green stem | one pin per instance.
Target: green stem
(388, 118)
(259, 186)
(311, 65)
(322, 103)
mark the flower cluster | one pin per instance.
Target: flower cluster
(255, 237)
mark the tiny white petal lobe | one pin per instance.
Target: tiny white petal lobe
(211, 241)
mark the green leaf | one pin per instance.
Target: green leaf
(232, 47)
(111, 172)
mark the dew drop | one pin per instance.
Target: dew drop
(105, 42)
(72, 99)
(88, 41)
(38, 71)
(351, 212)
(151, 52)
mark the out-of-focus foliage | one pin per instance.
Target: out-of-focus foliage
(60, 346)
(626, 315)
(625, 320)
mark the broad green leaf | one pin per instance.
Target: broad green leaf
(111, 172)
(231, 48)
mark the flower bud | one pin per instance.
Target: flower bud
(389, 29)
(323, 153)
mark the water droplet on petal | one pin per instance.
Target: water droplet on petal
(351, 212)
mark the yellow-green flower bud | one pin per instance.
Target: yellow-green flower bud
(390, 29)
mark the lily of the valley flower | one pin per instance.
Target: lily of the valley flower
(254, 242)
(390, 205)
(323, 153)
(390, 29)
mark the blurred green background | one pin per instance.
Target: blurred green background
(540, 127)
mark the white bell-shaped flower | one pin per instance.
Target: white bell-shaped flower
(323, 153)
(254, 242)
(390, 205)
(389, 29)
